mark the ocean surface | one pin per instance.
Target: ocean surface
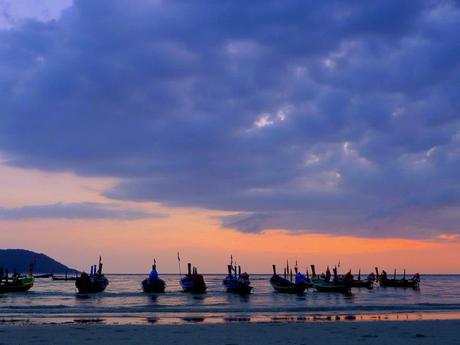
(124, 303)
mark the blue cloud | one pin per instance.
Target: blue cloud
(326, 117)
(79, 210)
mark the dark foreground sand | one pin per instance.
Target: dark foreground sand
(318, 333)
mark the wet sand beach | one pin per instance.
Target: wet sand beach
(374, 332)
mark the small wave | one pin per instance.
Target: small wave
(34, 307)
(65, 309)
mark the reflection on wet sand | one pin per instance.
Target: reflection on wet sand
(193, 319)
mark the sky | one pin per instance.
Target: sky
(269, 130)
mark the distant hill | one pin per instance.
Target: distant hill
(20, 259)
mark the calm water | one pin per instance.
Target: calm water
(124, 302)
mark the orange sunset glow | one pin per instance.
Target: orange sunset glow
(130, 245)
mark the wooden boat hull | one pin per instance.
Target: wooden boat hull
(43, 276)
(362, 284)
(93, 285)
(193, 285)
(400, 283)
(151, 286)
(297, 289)
(235, 286)
(64, 279)
(324, 286)
(22, 285)
(285, 286)
(309, 284)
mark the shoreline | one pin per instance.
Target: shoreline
(367, 332)
(196, 318)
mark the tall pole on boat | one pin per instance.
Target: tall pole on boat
(178, 260)
(99, 271)
(313, 271)
(287, 267)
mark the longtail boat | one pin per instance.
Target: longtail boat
(16, 283)
(153, 283)
(235, 281)
(43, 276)
(384, 281)
(285, 285)
(324, 284)
(366, 283)
(64, 278)
(94, 282)
(193, 282)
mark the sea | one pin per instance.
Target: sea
(123, 302)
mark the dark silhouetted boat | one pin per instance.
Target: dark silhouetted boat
(94, 282)
(17, 282)
(236, 281)
(153, 283)
(65, 277)
(325, 284)
(286, 284)
(363, 283)
(193, 282)
(384, 281)
(43, 276)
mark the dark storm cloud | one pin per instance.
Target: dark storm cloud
(333, 117)
(81, 210)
